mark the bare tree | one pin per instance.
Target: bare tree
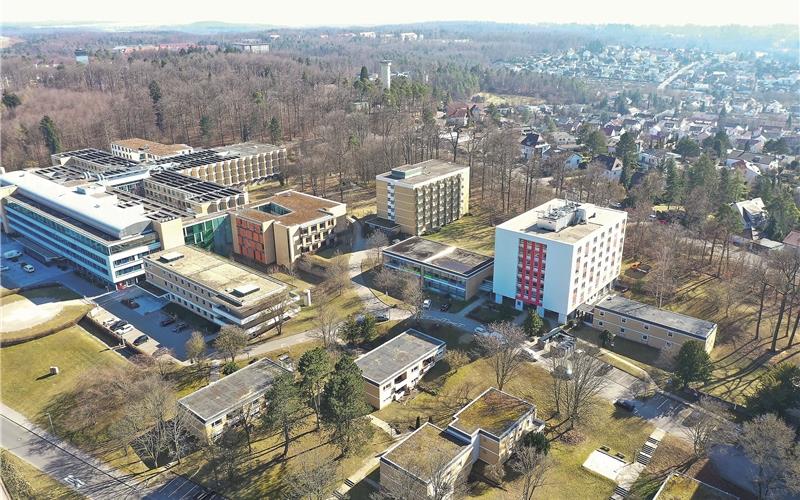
(785, 264)
(579, 391)
(769, 444)
(709, 427)
(177, 433)
(311, 479)
(532, 467)
(338, 274)
(277, 310)
(326, 324)
(231, 341)
(413, 295)
(196, 348)
(376, 242)
(386, 279)
(503, 346)
(425, 476)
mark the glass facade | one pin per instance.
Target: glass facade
(214, 235)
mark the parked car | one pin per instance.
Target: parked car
(426, 304)
(141, 339)
(625, 404)
(130, 303)
(621, 288)
(3, 268)
(645, 268)
(167, 321)
(123, 329)
(12, 254)
(445, 307)
(118, 324)
(381, 318)
(180, 326)
(604, 369)
(480, 330)
(28, 268)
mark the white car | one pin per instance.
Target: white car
(12, 254)
(124, 329)
(480, 330)
(426, 304)
(28, 268)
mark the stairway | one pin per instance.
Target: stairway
(620, 493)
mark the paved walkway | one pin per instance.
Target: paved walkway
(60, 460)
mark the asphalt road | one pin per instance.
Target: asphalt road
(61, 465)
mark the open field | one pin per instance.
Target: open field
(43, 486)
(471, 232)
(346, 303)
(618, 430)
(35, 311)
(513, 100)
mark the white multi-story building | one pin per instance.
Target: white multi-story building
(558, 256)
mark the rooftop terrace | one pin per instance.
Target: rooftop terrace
(553, 221)
(494, 412)
(386, 360)
(232, 391)
(289, 207)
(445, 257)
(152, 147)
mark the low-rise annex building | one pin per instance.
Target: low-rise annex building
(281, 228)
(220, 290)
(431, 460)
(392, 369)
(444, 269)
(220, 404)
(650, 325)
(139, 150)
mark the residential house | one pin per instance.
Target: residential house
(533, 145)
(611, 166)
(394, 368)
(754, 217)
(432, 459)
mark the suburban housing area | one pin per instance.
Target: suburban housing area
(432, 260)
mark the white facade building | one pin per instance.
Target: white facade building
(558, 256)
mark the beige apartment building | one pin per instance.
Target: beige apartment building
(220, 290)
(422, 197)
(650, 325)
(281, 228)
(486, 429)
(392, 369)
(220, 404)
(235, 165)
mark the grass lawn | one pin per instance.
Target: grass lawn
(293, 281)
(260, 475)
(618, 430)
(346, 304)
(35, 311)
(24, 368)
(43, 486)
(471, 232)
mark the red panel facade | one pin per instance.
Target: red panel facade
(530, 269)
(251, 240)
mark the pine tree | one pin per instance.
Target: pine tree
(50, 134)
(364, 74)
(11, 101)
(275, 131)
(674, 184)
(344, 407)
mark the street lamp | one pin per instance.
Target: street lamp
(52, 429)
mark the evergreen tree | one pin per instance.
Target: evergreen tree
(285, 407)
(674, 184)
(364, 74)
(692, 364)
(687, 148)
(783, 215)
(344, 407)
(11, 101)
(731, 186)
(205, 126)
(314, 367)
(50, 134)
(703, 174)
(275, 131)
(534, 324)
(155, 97)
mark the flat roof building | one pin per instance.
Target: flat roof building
(191, 194)
(486, 429)
(281, 228)
(424, 196)
(650, 325)
(104, 237)
(235, 165)
(219, 289)
(140, 150)
(444, 269)
(210, 410)
(558, 256)
(392, 369)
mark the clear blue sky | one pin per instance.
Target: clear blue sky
(366, 12)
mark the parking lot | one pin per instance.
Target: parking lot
(182, 488)
(665, 413)
(148, 316)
